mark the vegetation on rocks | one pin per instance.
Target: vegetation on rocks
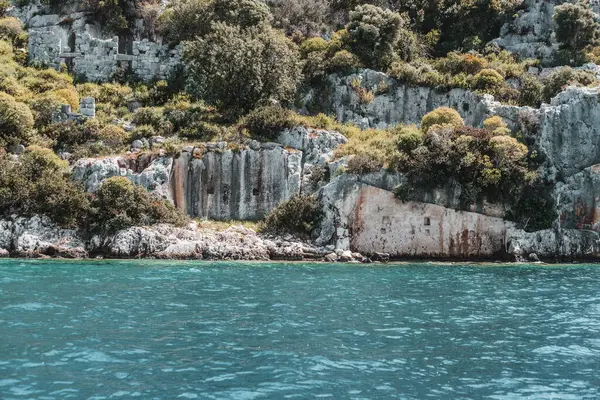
(246, 62)
(299, 215)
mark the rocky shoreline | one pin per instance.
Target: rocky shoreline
(38, 237)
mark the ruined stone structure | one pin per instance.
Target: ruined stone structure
(74, 40)
(87, 109)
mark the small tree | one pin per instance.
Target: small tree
(189, 19)
(299, 215)
(238, 69)
(576, 26)
(373, 34)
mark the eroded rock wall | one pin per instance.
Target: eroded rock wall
(241, 185)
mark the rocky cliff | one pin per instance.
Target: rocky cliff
(217, 182)
(361, 213)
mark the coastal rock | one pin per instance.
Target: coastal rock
(38, 236)
(369, 220)
(242, 185)
(4, 253)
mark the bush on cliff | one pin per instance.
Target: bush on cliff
(482, 161)
(300, 215)
(576, 27)
(190, 19)
(562, 77)
(119, 204)
(37, 183)
(373, 34)
(16, 121)
(441, 116)
(265, 123)
(238, 69)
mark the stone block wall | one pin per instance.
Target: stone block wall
(97, 60)
(44, 47)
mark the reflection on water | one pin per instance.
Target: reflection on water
(159, 330)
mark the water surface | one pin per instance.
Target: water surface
(164, 330)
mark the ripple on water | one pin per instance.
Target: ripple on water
(224, 331)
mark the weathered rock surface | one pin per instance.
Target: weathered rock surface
(216, 182)
(65, 34)
(38, 237)
(369, 220)
(227, 184)
(531, 33)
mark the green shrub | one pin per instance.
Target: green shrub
(409, 138)
(562, 77)
(373, 34)
(119, 204)
(38, 184)
(173, 145)
(67, 134)
(343, 62)
(268, 122)
(11, 29)
(148, 116)
(299, 215)
(576, 26)
(362, 165)
(237, 70)
(303, 18)
(191, 19)
(487, 79)
(531, 91)
(4, 4)
(313, 44)
(5, 49)
(111, 14)
(456, 63)
(113, 136)
(16, 121)
(143, 131)
(44, 107)
(441, 116)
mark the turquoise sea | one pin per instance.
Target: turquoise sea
(203, 330)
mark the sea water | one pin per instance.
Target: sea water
(203, 330)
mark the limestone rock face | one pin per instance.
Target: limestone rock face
(317, 145)
(38, 236)
(531, 33)
(578, 200)
(569, 132)
(227, 184)
(151, 172)
(398, 104)
(363, 218)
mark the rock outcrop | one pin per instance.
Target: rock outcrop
(531, 33)
(31, 237)
(241, 184)
(38, 237)
(401, 103)
(218, 182)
